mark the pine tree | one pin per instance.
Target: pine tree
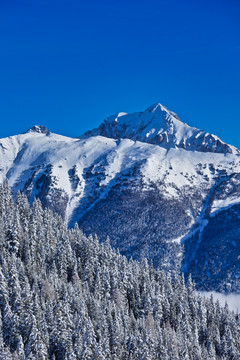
(66, 296)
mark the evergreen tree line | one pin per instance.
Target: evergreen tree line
(66, 296)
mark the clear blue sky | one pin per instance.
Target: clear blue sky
(69, 64)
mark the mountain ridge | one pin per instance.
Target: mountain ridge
(157, 125)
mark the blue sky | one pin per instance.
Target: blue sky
(69, 64)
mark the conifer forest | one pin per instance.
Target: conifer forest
(65, 296)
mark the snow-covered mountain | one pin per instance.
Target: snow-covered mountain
(158, 187)
(157, 125)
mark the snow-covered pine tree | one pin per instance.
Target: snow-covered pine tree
(66, 296)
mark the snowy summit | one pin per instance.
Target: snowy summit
(157, 125)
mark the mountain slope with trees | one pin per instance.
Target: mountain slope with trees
(66, 296)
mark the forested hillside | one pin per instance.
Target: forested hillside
(66, 296)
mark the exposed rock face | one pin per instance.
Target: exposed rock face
(39, 129)
(158, 187)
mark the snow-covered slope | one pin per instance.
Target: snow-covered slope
(83, 167)
(158, 125)
(165, 200)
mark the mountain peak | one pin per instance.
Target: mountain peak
(156, 107)
(38, 129)
(159, 108)
(160, 126)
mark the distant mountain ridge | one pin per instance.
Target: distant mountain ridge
(158, 187)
